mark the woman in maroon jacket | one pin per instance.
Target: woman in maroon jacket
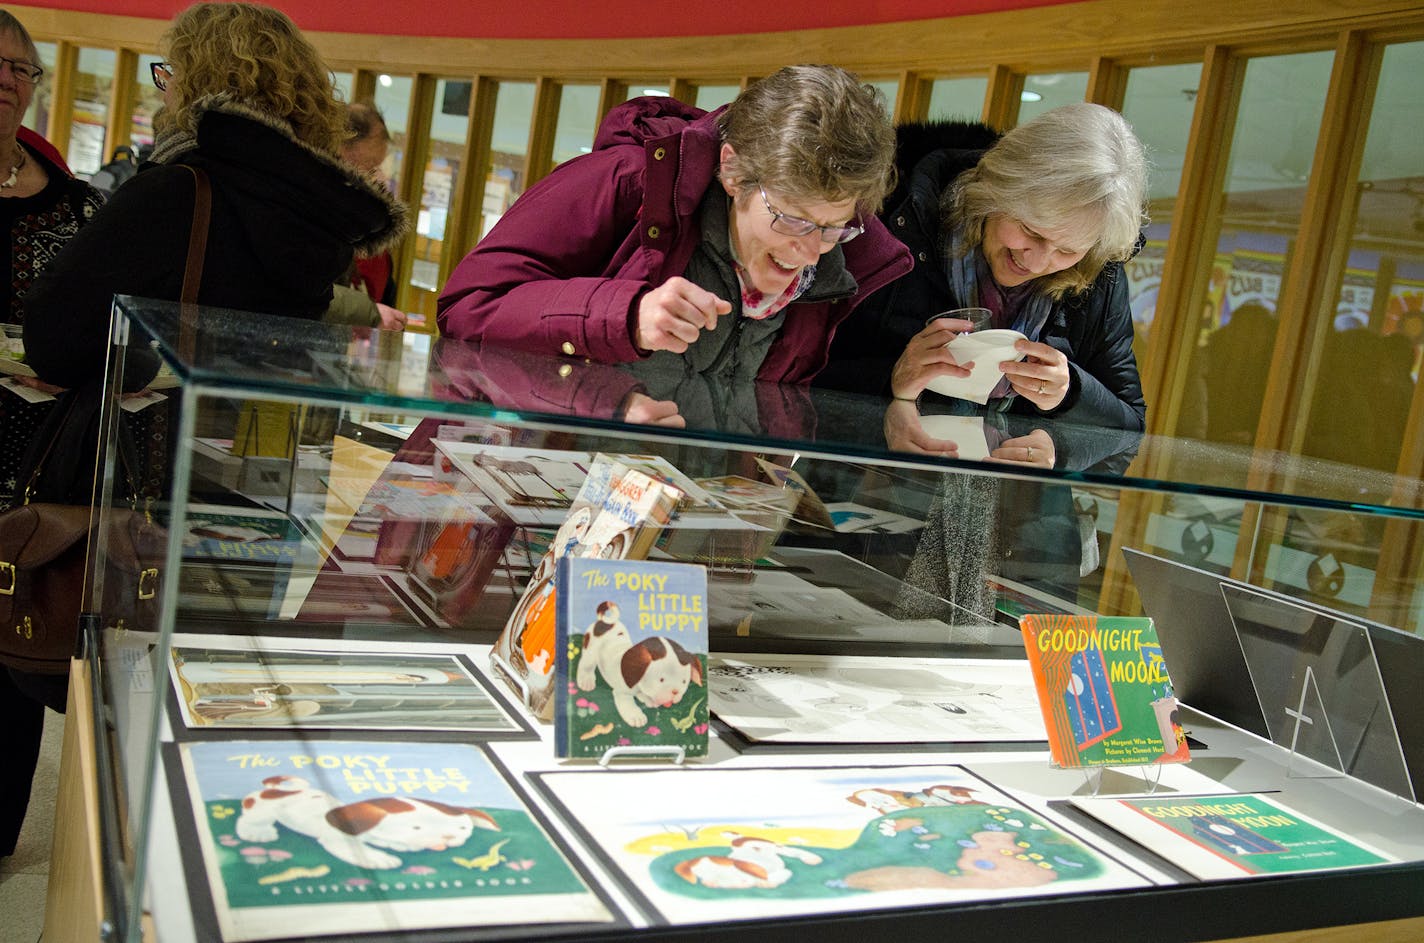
(727, 243)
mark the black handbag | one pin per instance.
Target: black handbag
(45, 545)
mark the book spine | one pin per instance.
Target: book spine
(562, 627)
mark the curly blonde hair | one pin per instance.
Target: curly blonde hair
(258, 58)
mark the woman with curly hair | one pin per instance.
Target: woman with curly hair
(248, 100)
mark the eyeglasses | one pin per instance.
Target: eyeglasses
(23, 71)
(796, 226)
(162, 73)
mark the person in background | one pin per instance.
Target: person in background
(42, 206)
(726, 243)
(121, 167)
(366, 293)
(250, 101)
(1036, 229)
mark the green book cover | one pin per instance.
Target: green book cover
(1232, 835)
(1104, 690)
(303, 839)
(631, 657)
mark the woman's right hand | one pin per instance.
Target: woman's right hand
(671, 316)
(905, 433)
(926, 356)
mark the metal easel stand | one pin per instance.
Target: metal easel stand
(676, 753)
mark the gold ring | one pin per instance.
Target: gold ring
(1030, 453)
(1041, 387)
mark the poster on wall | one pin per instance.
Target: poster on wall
(311, 839)
(718, 844)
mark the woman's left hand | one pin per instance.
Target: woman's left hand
(1036, 448)
(1042, 377)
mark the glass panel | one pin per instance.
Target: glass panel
(1158, 104)
(1379, 314)
(513, 111)
(1049, 90)
(449, 126)
(891, 91)
(146, 102)
(93, 90)
(1273, 145)
(636, 89)
(392, 100)
(715, 96)
(37, 116)
(961, 99)
(578, 115)
(345, 81)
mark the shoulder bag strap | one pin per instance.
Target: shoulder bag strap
(197, 251)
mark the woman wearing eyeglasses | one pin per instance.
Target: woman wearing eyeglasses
(730, 242)
(1035, 228)
(248, 100)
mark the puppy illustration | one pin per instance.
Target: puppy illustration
(353, 832)
(891, 800)
(655, 671)
(751, 862)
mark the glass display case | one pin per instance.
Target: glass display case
(302, 731)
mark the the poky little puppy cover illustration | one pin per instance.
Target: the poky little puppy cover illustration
(631, 657)
(323, 837)
(712, 843)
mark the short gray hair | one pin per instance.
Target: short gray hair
(9, 23)
(1073, 159)
(812, 132)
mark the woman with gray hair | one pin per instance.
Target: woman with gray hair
(725, 243)
(1036, 229)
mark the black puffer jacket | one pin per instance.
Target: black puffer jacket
(1094, 328)
(286, 220)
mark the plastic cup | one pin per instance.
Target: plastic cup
(980, 317)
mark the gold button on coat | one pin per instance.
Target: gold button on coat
(654, 232)
(565, 370)
(660, 153)
(567, 347)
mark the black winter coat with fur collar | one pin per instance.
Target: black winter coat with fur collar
(286, 220)
(1093, 328)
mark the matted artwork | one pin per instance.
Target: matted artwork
(282, 683)
(827, 699)
(302, 839)
(710, 845)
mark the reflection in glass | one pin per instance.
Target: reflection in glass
(93, 89)
(1048, 90)
(958, 99)
(449, 126)
(578, 114)
(638, 89)
(392, 100)
(513, 112)
(1158, 103)
(1272, 147)
(1378, 325)
(146, 102)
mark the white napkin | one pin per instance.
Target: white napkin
(986, 350)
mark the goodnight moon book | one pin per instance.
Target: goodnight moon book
(326, 837)
(1103, 686)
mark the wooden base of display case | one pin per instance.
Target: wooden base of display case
(72, 902)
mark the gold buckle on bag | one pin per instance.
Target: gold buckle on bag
(144, 576)
(7, 569)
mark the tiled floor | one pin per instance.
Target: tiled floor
(24, 875)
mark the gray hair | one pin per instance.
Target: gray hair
(1075, 159)
(9, 24)
(814, 133)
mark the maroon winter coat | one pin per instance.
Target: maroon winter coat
(563, 270)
